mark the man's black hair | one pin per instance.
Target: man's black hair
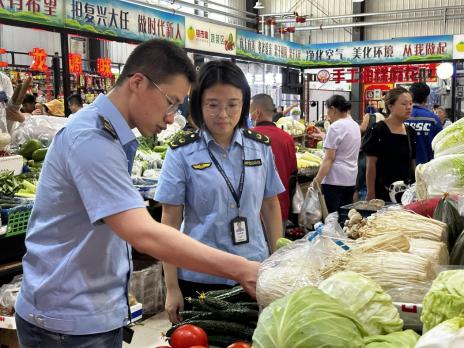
(159, 60)
(76, 99)
(28, 99)
(420, 92)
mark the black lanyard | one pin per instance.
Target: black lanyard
(235, 194)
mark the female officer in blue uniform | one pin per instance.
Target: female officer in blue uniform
(219, 182)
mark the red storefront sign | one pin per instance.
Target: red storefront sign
(75, 63)
(39, 60)
(104, 67)
(3, 64)
(385, 73)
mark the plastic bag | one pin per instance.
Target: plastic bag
(311, 210)
(297, 200)
(39, 127)
(8, 294)
(299, 264)
(444, 175)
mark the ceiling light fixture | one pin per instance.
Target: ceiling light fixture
(259, 5)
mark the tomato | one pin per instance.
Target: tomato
(164, 347)
(240, 344)
(187, 335)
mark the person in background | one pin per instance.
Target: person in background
(87, 212)
(370, 108)
(282, 144)
(217, 180)
(282, 112)
(391, 147)
(423, 121)
(339, 168)
(28, 105)
(75, 103)
(441, 113)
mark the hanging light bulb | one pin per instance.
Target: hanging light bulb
(445, 70)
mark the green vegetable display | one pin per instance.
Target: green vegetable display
(403, 339)
(28, 148)
(371, 305)
(445, 299)
(449, 140)
(445, 174)
(308, 318)
(9, 184)
(447, 212)
(449, 334)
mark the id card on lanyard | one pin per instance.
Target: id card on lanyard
(238, 225)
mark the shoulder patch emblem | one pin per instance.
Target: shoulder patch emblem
(261, 138)
(201, 166)
(108, 127)
(185, 140)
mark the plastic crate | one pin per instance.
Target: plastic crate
(18, 218)
(12, 163)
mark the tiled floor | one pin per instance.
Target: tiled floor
(148, 333)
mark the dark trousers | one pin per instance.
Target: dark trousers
(337, 196)
(192, 289)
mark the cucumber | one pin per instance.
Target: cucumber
(214, 293)
(249, 305)
(237, 314)
(199, 305)
(215, 327)
(236, 294)
(187, 315)
(216, 303)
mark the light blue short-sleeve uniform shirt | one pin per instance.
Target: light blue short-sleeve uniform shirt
(75, 267)
(190, 178)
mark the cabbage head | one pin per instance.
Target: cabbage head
(444, 300)
(449, 334)
(403, 339)
(372, 307)
(308, 318)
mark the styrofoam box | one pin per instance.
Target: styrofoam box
(14, 163)
(7, 322)
(410, 313)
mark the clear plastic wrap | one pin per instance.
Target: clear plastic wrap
(297, 200)
(39, 127)
(444, 175)
(299, 264)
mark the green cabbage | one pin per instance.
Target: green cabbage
(308, 318)
(445, 174)
(445, 299)
(371, 305)
(449, 334)
(403, 339)
(449, 137)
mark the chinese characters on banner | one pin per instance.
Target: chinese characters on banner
(37, 11)
(124, 19)
(75, 63)
(39, 60)
(104, 67)
(385, 74)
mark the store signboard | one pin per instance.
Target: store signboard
(400, 50)
(209, 37)
(270, 49)
(124, 19)
(47, 12)
(458, 47)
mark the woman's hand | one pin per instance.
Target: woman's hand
(174, 304)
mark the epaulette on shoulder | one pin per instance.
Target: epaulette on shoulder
(184, 140)
(261, 138)
(108, 127)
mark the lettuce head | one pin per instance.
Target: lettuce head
(308, 318)
(372, 307)
(449, 334)
(403, 339)
(445, 299)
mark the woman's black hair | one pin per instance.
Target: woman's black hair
(338, 102)
(219, 72)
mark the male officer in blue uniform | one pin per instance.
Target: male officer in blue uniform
(424, 121)
(87, 212)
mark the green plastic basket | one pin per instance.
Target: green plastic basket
(18, 218)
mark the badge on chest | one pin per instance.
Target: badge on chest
(239, 229)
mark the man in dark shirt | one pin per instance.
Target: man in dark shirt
(423, 121)
(283, 146)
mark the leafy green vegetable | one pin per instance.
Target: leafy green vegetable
(9, 185)
(403, 339)
(147, 144)
(371, 305)
(308, 318)
(445, 174)
(449, 140)
(445, 299)
(449, 334)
